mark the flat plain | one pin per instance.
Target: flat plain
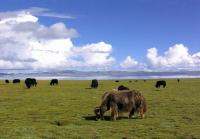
(66, 111)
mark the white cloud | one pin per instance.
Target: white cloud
(25, 43)
(35, 11)
(129, 63)
(175, 58)
(95, 54)
(38, 11)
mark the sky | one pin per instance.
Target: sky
(132, 35)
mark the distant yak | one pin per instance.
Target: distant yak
(94, 83)
(54, 82)
(178, 80)
(160, 83)
(30, 82)
(130, 101)
(6, 81)
(117, 81)
(121, 87)
(16, 81)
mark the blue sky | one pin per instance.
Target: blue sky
(130, 26)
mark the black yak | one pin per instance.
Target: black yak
(6, 81)
(121, 87)
(54, 82)
(130, 101)
(94, 83)
(159, 83)
(117, 81)
(16, 81)
(178, 80)
(30, 82)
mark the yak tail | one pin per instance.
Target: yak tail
(106, 101)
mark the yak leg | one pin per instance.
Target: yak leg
(114, 111)
(141, 113)
(131, 113)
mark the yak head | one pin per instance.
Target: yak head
(97, 112)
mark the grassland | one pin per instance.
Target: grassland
(66, 111)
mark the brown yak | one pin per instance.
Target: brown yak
(121, 101)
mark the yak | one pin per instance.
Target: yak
(159, 83)
(121, 87)
(16, 81)
(94, 83)
(130, 101)
(30, 82)
(6, 81)
(54, 82)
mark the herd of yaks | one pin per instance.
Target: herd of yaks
(29, 82)
(122, 100)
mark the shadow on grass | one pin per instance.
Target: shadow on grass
(106, 118)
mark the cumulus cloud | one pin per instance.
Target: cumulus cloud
(176, 57)
(129, 63)
(25, 43)
(95, 54)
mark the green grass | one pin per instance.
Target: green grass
(66, 110)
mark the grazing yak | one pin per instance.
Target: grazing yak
(159, 83)
(16, 81)
(178, 80)
(117, 81)
(54, 82)
(130, 101)
(121, 87)
(94, 83)
(30, 82)
(6, 81)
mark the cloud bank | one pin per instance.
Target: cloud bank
(175, 58)
(25, 43)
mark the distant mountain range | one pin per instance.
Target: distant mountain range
(73, 74)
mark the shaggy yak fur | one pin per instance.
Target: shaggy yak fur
(16, 81)
(121, 87)
(54, 82)
(30, 82)
(159, 83)
(94, 83)
(121, 101)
